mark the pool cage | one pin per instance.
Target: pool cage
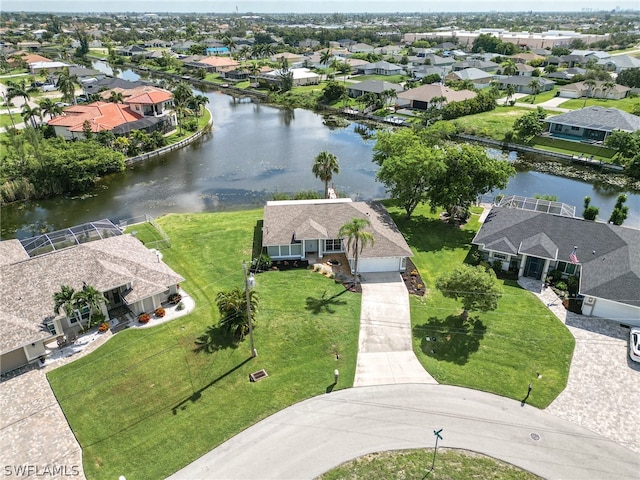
(536, 205)
(68, 237)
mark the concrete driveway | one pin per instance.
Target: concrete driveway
(603, 390)
(385, 353)
(313, 436)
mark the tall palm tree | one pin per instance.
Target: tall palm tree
(67, 85)
(357, 239)
(590, 84)
(510, 90)
(89, 297)
(607, 87)
(232, 305)
(534, 85)
(64, 300)
(324, 166)
(254, 70)
(29, 114)
(197, 102)
(19, 89)
(345, 69)
(325, 58)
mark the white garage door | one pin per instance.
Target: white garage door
(391, 264)
(618, 312)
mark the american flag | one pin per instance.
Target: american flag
(573, 256)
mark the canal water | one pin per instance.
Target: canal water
(253, 152)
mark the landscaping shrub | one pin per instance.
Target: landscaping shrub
(175, 298)
(572, 285)
(180, 306)
(144, 318)
(104, 326)
(159, 312)
(561, 286)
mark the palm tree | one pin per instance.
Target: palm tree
(116, 97)
(509, 68)
(590, 84)
(91, 298)
(48, 107)
(607, 87)
(357, 239)
(67, 85)
(324, 166)
(64, 300)
(197, 102)
(232, 305)
(20, 89)
(182, 111)
(534, 85)
(325, 58)
(254, 70)
(510, 90)
(345, 69)
(29, 114)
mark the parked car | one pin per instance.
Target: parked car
(49, 88)
(37, 84)
(82, 99)
(634, 344)
(62, 104)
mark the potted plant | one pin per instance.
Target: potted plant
(144, 318)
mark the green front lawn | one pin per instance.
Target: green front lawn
(387, 78)
(499, 352)
(625, 104)
(541, 97)
(493, 124)
(146, 403)
(5, 119)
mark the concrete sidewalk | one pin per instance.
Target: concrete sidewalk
(385, 353)
(311, 437)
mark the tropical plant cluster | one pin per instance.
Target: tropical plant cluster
(72, 302)
(33, 167)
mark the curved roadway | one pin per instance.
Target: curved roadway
(313, 436)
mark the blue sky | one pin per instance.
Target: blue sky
(302, 6)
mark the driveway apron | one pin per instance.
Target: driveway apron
(385, 353)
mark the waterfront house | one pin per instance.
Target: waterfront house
(419, 98)
(591, 124)
(308, 230)
(538, 236)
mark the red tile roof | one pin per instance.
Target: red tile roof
(150, 98)
(101, 116)
(218, 61)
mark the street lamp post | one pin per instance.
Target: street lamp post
(254, 352)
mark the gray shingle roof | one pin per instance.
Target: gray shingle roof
(609, 255)
(598, 118)
(27, 287)
(284, 221)
(375, 86)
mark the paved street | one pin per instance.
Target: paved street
(313, 436)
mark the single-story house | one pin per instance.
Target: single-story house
(592, 123)
(524, 70)
(418, 98)
(599, 90)
(619, 63)
(479, 78)
(49, 67)
(422, 71)
(121, 267)
(484, 65)
(132, 51)
(526, 57)
(213, 63)
(567, 74)
(523, 84)
(308, 230)
(301, 76)
(379, 68)
(360, 48)
(372, 86)
(533, 243)
(293, 59)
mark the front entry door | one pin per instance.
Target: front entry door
(533, 267)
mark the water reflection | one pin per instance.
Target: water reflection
(253, 152)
